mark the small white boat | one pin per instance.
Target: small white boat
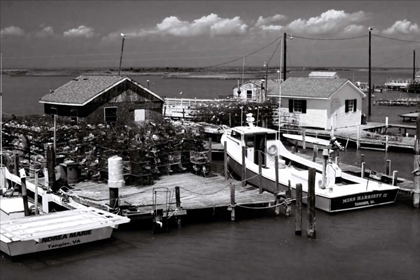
(295, 139)
(56, 230)
(337, 191)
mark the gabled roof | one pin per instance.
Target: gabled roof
(417, 74)
(271, 83)
(317, 74)
(83, 89)
(312, 88)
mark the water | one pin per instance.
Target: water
(379, 243)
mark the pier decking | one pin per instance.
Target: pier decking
(196, 193)
(409, 117)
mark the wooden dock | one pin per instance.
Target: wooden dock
(409, 117)
(196, 193)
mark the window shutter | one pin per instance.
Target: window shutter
(355, 105)
(347, 106)
(303, 106)
(290, 105)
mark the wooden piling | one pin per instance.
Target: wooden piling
(210, 150)
(388, 167)
(315, 153)
(324, 168)
(386, 143)
(416, 171)
(358, 137)
(51, 165)
(287, 203)
(394, 177)
(16, 167)
(178, 205)
(226, 160)
(260, 171)
(304, 141)
(276, 172)
(298, 216)
(362, 157)
(362, 172)
(24, 192)
(311, 232)
(36, 192)
(293, 149)
(232, 202)
(243, 167)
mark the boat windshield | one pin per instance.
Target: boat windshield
(271, 136)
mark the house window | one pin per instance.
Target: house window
(110, 114)
(249, 94)
(73, 115)
(351, 105)
(297, 106)
(54, 111)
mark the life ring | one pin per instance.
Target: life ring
(272, 150)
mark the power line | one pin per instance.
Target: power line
(395, 39)
(329, 39)
(224, 63)
(392, 60)
(274, 52)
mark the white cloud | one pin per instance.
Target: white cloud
(402, 27)
(265, 21)
(46, 31)
(271, 27)
(81, 31)
(12, 31)
(207, 25)
(354, 29)
(331, 21)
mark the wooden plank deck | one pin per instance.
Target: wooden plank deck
(196, 192)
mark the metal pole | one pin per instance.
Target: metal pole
(281, 54)
(414, 65)
(370, 73)
(266, 83)
(284, 56)
(122, 49)
(55, 133)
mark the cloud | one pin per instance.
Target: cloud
(263, 22)
(402, 27)
(46, 31)
(211, 25)
(12, 31)
(81, 31)
(331, 21)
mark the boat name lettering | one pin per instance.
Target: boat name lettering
(363, 197)
(65, 236)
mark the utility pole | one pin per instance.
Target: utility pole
(263, 98)
(122, 49)
(370, 73)
(414, 65)
(284, 56)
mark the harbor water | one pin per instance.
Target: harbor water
(376, 243)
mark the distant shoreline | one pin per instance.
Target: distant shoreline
(174, 72)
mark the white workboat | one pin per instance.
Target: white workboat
(56, 230)
(339, 192)
(296, 139)
(20, 234)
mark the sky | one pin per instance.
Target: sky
(50, 34)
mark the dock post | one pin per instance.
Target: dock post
(311, 204)
(178, 205)
(232, 202)
(416, 171)
(324, 168)
(276, 193)
(304, 142)
(36, 192)
(394, 177)
(362, 157)
(226, 159)
(287, 202)
(358, 137)
(315, 153)
(24, 191)
(386, 143)
(388, 167)
(210, 149)
(260, 172)
(243, 167)
(362, 171)
(298, 217)
(50, 165)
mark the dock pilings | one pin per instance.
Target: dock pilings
(298, 215)
(311, 232)
(24, 191)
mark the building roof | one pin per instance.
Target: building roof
(271, 83)
(316, 74)
(312, 88)
(83, 89)
(417, 74)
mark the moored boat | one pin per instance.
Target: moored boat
(335, 190)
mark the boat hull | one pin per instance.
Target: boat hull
(55, 242)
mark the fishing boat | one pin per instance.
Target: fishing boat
(75, 224)
(335, 190)
(295, 139)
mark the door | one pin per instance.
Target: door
(250, 143)
(139, 115)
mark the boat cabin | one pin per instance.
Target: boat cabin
(256, 139)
